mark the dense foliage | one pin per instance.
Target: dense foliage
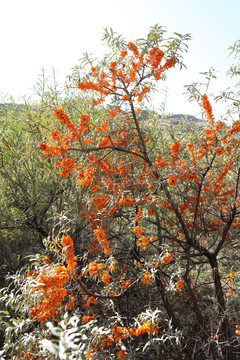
(140, 258)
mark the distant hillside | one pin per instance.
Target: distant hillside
(182, 119)
(11, 106)
(177, 119)
(165, 120)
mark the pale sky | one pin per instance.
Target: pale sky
(55, 34)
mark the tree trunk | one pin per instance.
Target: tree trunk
(225, 330)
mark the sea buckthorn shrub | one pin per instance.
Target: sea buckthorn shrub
(158, 276)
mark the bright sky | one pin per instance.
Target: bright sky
(55, 34)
